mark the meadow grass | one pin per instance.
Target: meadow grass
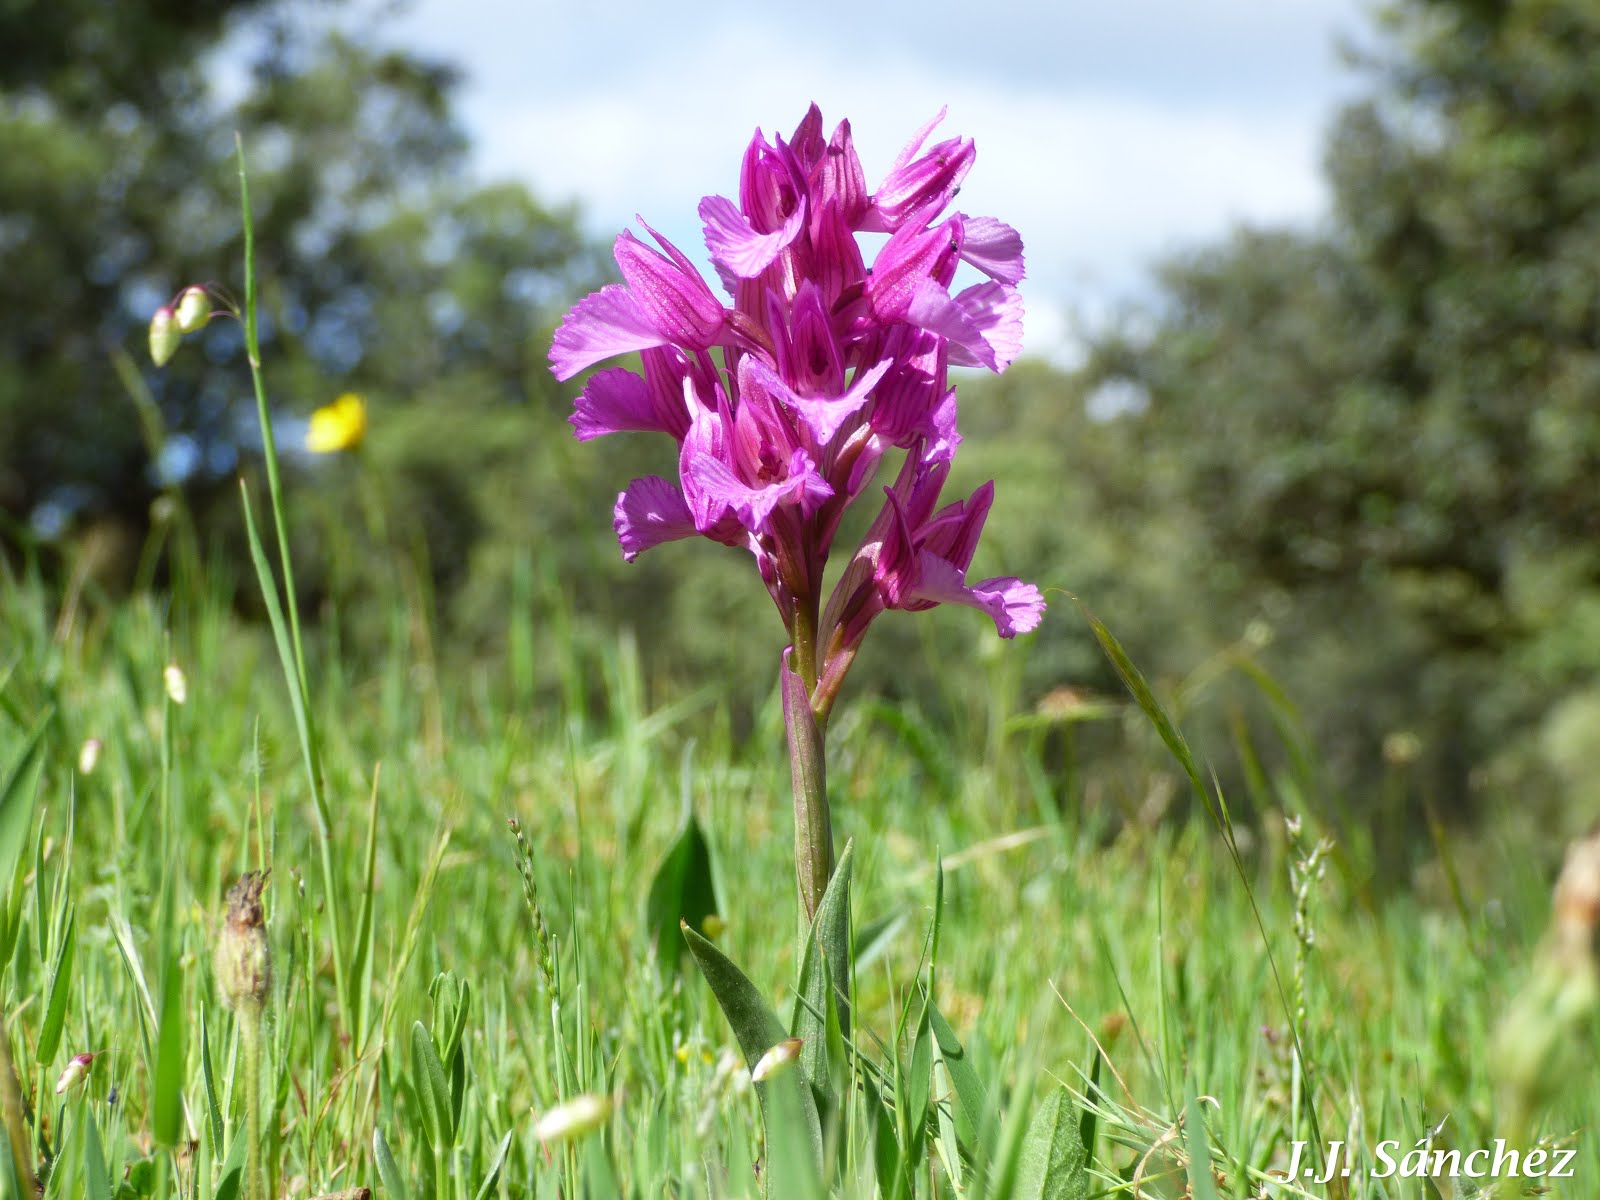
(1063, 983)
(1072, 916)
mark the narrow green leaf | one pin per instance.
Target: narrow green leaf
(825, 973)
(167, 1103)
(970, 1101)
(1052, 1164)
(55, 1012)
(599, 1180)
(18, 790)
(793, 1159)
(888, 1161)
(1139, 688)
(1197, 1144)
(873, 938)
(286, 656)
(433, 1089)
(1001, 1181)
(388, 1170)
(683, 890)
(96, 1179)
(917, 1095)
(362, 951)
(208, 1077)
(231, 1182)
(755, 1026)
(1088, 1123)
(493, 1177)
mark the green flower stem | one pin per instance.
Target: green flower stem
(813, 823)
(250, 1043)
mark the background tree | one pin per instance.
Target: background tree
(1393, 425)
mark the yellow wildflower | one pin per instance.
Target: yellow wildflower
(337, 426)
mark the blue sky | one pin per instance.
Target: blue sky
(1108, 134)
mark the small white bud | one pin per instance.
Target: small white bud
(89, 756)
(777, 1060)
(164, 335)
(77, 1071)
(177, 685)
(193, 310)
(578, 1116)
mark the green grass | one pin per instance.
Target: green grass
(1061, 924)
(1061, 985)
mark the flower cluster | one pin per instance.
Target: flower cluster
(827, 365)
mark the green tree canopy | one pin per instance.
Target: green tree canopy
(1392, 425)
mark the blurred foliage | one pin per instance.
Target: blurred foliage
(1350, 470)
(1392, 425)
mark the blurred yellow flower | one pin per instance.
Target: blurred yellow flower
(337, 426)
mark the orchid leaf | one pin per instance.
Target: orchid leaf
(825, 976)
(756, 1028)
(683, 890)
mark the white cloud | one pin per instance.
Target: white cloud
(1100, 173)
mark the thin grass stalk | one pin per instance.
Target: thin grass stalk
(300, 682)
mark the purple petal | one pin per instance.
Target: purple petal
(939, 434)
(1015, 607)
(841, 179)
(906, 261)
(995, 310)
(909, 150)
(668, 288)
(602, 324)
(735, 245)
(754, 505)
(953, 532)
(822, 415)
(924, 185)
(615, 401)
(994, 248)
(650, 512)
(930, 307)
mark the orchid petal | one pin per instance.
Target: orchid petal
(994, 248)
(754, 505)
(995, 310)
(616, 401)
(735, 245)
(1014, 606)
(601, 325)
(652, 510)
(669, 289)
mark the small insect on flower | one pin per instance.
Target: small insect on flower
(777, 1060)
(76, 1072)
(578, 1116)
(177, 685)
(339, 426)
(89, 756)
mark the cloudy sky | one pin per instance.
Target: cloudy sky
(1107, 133)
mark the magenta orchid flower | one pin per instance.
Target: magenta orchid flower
(826, 365)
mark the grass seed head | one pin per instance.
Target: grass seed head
(243, 958)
